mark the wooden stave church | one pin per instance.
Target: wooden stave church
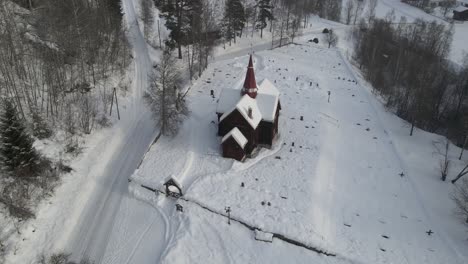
(248, 118)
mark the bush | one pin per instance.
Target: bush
(40, 128)
(61, 258)
(103, 121)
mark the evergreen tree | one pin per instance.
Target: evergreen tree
(17, 154)
(264, 14)
(234, 19)
(179, 15)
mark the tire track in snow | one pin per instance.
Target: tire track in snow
(144, 233)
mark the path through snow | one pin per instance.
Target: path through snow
(101, 215)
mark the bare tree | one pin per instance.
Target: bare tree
(460, 197)
(164, 96)
(331, 38)
(87, 113)
(465, 134)
(358, 10)
(462, 173)
(447, 5)
(349, 11)
(371, 10)
(445, 163)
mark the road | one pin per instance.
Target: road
(134, 134)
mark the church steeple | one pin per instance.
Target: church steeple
(250, 85)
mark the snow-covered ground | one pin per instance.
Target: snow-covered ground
(332, 180)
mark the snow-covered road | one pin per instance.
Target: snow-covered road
(134, 134)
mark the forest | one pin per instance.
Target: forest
(56, 71)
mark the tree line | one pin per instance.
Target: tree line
(197, 26)
(56, 63)
(407, 64)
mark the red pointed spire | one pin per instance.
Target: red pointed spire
(250, 85)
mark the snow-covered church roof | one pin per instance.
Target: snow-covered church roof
(266, 100)
(245, 104)
(460, 9)
(238, 137)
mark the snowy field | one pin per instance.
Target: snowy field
(332, 181)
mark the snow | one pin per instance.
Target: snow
(175, 180)
(267, 100)
(337, 188)
(263, 236)
(86, 207)
(238, 137)
(246, 104)
(266, 87)
(460, 9)
(227, 100)
(268, 104)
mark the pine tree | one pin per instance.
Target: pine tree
(178, 15)
(264, 14)
(234, 19)
(17, 154)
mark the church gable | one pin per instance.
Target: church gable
(249, 110)
(232, 120)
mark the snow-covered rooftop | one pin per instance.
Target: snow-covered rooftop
(246, 104)
(175, 180)
(460, 9)
(227, 100)
(267, 100)
(266, 87)
(238, 137)
(263, 236)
